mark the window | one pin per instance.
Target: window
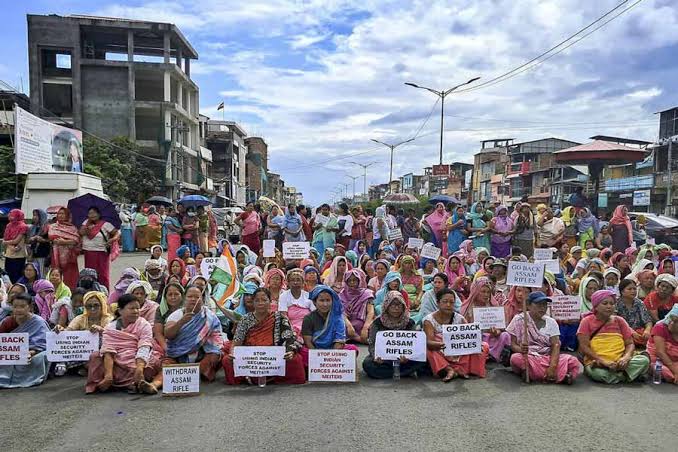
(56, 63)
(57, 99)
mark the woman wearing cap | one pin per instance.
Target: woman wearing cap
(606, 341)
(449, 367)
(661, 300)
(663, 345)
(634, 312)
(541, 346)
(395, 317)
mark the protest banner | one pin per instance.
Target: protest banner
(259, 361)
(566, 307)
(395, 234)
(42, 146)
(332, 365)
(391, 345)
(491, 317)
(13, 349)
(551, 265)
(543, 254)
(322, 219)
(180, 379)
(429, 251)
(269, 248)
(296, 250)
(207, 266)
(525, 274)
(71, 346)
(462, 339)
(415, 243)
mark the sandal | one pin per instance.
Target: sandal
(147, 388)
(449, 377)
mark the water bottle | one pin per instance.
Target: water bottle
(261, 382)
(657, 372)
(396, 369)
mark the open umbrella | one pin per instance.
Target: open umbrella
(400, 198)
(53, 210)
(80, 205)
(159, 201)
(194, 201)
(445, 199)
(266, 203)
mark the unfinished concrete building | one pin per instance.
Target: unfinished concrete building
(226, 140)
(117, 77)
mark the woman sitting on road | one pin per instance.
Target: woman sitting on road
(663, 345)
(449, 367)
(127, 358)
(606, 341)
(172, 299)
(542, 345)
(429, 303)
(661, 300)
(23, 320)
(634, 312)
(142, 291)
(294, 302)
(262, 327)
(394, 317)
(358, 305)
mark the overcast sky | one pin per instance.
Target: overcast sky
(319, 79)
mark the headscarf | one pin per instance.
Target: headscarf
(44, 303)
(153, 264)
(334, 329)
(661, 265)
(248, 289)
(90, 273)
(161, 260)
(272, 272)
(182, 250)
(101, 298)
(406, 258)
(292, 221)
(585, 303)
(352, 257)
(436, 219)
(671, 314)
(477, 285)
(35, 229)
(398, 323)
(16, 225)
(472, 214)
(567, 214)
(600, 295)
(502, 224)
(619, 218)
(62, 290)
(143, 284)
(182, 264)
(587, 221)
(355, 300)
(640, 265)
(381, 293)
(126, 277)
(664, 277)
(452, 275)
(465, 253)
(612, 270)
(630, 251)
(164, 307)
(332, 276)
(614, 260)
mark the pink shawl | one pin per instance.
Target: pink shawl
(537, 342)
(355, 300)
(619, 218)
(478, 284)
(451, 274)
(437, 220)
(147, 311)
(126, 342)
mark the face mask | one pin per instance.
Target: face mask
(87, 284)
(78, 311)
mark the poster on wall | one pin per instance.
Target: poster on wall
(45, 147)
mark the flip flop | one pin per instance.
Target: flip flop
(147, 388)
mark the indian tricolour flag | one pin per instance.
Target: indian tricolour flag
(226, 273)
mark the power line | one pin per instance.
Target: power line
(528, 65)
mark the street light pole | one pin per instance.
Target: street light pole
(353, 178)
(442, 95)
(364, 166)
(392, 147)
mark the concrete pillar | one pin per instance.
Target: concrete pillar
(167, 81)
(180, 95)
(131, 85)
(187, 67)
(130, 46)
(179, 57)
(166, 47)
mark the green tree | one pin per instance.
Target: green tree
(7, 176)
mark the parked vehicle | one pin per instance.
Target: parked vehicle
(227, 229)
(45, 190)
(662, 228)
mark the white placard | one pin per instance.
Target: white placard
(543, 254)
(14, 349)
(71, 346)
(259, 361)
(395, 234)
(566, 307)
(45, 147)
(181, 379)
(331, 365)
(415, 243)
(462, 339)
(269, 248)
(490, 317)
(429, 251)
(551, 265)
(392, 344)
(207, 266)
(322, 219)
(525, 274)
(650, 241)
(296, 250)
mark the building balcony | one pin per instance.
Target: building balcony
(518, 169)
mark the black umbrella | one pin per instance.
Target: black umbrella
(159, 201)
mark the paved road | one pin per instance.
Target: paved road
(497, 413)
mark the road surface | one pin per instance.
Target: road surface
(497, 413)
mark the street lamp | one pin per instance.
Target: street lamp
(442, 95)
(353, 178)
(364, 166)
(391, 147)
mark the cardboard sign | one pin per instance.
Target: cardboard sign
(551, 265)
(462, 339)
(269, 248)
(543, 254)
(322, 219)
(492, 317)
(650, 241)
(391, 345)
(13, 349)
(429, 251)
(259, 361)
(207, 266)
(331, 365)
(71, 346)
(180, 379)
(395, 234)
(566, 307)
(525, 274)
(415, 243)
(296, 250)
